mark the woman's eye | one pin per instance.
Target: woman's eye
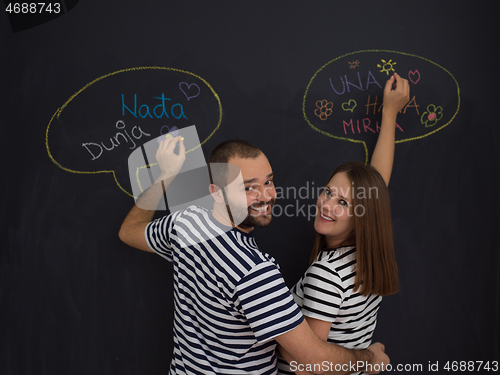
(343, 203)
(328, 193)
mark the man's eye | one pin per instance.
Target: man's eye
(249, 188)
(269, 182)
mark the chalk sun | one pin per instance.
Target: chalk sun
(387, 66)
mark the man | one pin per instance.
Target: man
(231, 303)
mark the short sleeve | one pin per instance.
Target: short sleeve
(157, 234)
(267, 303)
(323, 292)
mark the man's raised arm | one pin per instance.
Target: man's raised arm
(170, 163)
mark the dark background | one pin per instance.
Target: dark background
(75, 300)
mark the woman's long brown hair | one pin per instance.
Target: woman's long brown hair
(376, 271)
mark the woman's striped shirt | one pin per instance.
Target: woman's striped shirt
(325, 292)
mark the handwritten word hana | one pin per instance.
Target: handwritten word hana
(96, 149)
(160, 110)
(411, 104)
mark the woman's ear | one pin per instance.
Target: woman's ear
(216, 193)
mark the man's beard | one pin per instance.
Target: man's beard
(248, 218)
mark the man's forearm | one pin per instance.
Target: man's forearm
(333, 360)
(347, 361)
(145, 207)
(150, 199)
(135, 223)
(141, 214)
(316, 356)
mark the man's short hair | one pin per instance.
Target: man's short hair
(225, 151)
(234, 148)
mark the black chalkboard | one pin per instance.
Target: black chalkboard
(300, 79)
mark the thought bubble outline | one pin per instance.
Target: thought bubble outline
(58, 112)
(361, 141)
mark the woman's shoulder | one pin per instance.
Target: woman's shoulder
(333, 260)
(336, 262)
(339, 255)
(325, 274)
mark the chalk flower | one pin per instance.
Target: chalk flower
(431, 116)
(324, 109)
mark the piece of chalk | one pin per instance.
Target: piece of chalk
(182, 138)
(168, 136)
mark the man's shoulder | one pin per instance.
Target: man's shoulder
(192, 215)
(195, 210)
(236, 248)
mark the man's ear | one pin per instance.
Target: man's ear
(216, 193)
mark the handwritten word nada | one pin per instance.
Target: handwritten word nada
(161, 110)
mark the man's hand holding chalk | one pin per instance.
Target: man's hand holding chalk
(169, 162)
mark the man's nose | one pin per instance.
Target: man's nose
(268, 193)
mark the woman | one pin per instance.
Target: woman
(353, 263)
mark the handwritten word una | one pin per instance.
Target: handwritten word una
(96, 149)
(346, 84)
(160, 110)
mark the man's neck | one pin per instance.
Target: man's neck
(245, 229)
(223, 218)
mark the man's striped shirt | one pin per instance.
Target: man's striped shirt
(230, 299)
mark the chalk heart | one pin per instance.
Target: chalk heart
(349, 106)
(414, 77)
(189, 92)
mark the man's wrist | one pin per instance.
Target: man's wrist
(165, 179)
(364, 356)
(160, 178)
